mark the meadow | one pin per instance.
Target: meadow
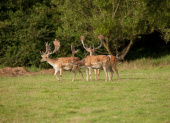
(141, 95)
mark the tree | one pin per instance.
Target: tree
(24, 28)
(119, 21)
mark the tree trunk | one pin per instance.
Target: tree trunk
(123, 53)
(106, 45)
(125, 50)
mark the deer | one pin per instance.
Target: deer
(113, 59)
(93, 62)
(92, 51)
(113, 63)
(60, 64)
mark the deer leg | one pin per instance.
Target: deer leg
(90, 69)
(80, 73)
(61, 71)
(74, 74)
(106, 72)
(110, 74)
(98, 73)
(55, 74)
(87, 73)
(115, 69)
(95, 72)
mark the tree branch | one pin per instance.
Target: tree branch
(107, 48)
(115, 10)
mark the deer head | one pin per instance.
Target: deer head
(48, 50)
(75, 63)
(92, 50)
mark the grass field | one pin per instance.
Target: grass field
(141, 95)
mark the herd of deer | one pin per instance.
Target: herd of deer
(105, 62)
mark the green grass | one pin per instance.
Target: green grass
(141, 95)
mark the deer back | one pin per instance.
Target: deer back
(97, 60)
(64, 62)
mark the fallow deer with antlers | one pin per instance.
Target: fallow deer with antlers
(93, 62)
(113, 59)
(92, 51)
(60, 64)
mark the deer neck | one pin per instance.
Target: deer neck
(82, 62)
(51, 61)
(91, 53)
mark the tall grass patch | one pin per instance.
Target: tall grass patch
(144, 63)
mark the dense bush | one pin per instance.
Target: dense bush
(25, 26)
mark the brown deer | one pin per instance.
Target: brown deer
(113, 59)
(93, 62)
(92, 51)
(113, 63)
(60, 64)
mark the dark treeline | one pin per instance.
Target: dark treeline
(25, 26)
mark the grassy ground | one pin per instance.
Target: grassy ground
(141, 95)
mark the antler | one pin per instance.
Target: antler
(47, 48)
(42, 53)
(57, 45)
(101, 37)
(73, 50)
(82, 41)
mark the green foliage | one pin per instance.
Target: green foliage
(25, 26)
(117, 20)
(23, 33)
